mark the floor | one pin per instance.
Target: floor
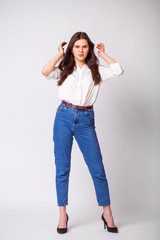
(17, 224)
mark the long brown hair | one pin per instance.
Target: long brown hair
(68, 63)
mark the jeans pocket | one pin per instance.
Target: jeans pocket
(61, 108)
(90, 113)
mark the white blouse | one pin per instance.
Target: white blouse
(78, 88)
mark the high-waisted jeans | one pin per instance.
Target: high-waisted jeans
(79, 123)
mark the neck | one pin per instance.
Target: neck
(80, 63)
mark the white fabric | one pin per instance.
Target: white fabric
(78, 88)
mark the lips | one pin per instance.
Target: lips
(80, 54)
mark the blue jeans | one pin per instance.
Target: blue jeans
(79, 123)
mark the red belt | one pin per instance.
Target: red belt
(75, 106)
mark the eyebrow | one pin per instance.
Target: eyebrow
(83, 45)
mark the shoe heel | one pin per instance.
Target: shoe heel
(109, 229)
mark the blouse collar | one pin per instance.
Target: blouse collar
(83, 67)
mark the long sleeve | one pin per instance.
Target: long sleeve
(112, 71)
(55, 74)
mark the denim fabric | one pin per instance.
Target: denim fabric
(79, 123)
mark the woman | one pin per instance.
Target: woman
(79, 76)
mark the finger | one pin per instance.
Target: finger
(102, 46)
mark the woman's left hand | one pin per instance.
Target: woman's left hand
(101, 51)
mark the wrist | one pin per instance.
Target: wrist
(60, 55)
(103, 54)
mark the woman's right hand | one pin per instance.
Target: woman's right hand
(61, 49)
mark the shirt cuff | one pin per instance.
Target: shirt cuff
(116, 66)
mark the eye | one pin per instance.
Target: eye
(78, 46)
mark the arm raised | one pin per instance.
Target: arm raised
(50, 66)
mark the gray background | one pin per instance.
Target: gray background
(127, 115)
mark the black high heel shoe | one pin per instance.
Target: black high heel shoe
(110, 229)
(63, 230)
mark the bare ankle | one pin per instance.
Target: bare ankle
(107, 210)
(62, 211)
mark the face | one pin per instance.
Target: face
(80, 50)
